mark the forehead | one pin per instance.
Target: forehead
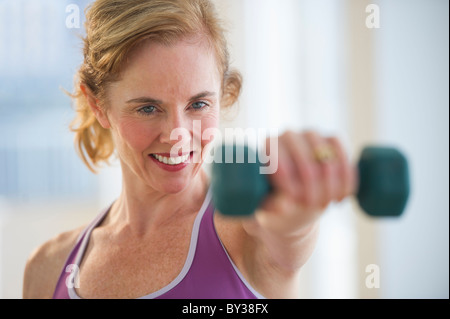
(187, 67)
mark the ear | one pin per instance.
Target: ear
(93, 102)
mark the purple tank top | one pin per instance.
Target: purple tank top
(208, 272)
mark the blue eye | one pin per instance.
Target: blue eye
(147, 110)
(198, 105)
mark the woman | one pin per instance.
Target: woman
(151, 67)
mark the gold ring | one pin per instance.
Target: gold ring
(324, 154)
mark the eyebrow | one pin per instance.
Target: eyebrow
(150, 100)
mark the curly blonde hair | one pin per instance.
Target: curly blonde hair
(113, 29)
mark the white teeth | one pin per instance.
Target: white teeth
(171, 160)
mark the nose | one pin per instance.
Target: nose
(176, 129)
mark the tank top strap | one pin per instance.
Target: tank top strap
(212, 273)
(68, 276)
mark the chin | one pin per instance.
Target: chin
(174, 187)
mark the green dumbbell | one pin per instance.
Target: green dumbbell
(238, 187)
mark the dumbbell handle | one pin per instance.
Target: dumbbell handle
(239, 188)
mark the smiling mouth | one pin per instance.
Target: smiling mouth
(171, 160)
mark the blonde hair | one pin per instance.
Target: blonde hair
(113, 29)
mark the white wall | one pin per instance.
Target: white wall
(412, 67)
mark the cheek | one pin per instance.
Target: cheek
(210, 127)
(136, 135)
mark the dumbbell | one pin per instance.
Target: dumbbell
(238, 187)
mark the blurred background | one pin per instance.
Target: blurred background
(370, 72)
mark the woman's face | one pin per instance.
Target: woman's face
(163, 88)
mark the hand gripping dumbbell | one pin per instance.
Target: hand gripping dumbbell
(238, 187)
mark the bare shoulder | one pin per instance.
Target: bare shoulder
(45, 263)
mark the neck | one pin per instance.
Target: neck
(141, 209)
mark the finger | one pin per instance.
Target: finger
(308, 172)
(345, 171)
(327, 168)
(283, 179)
(279, 205)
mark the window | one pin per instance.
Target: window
(38, 57)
